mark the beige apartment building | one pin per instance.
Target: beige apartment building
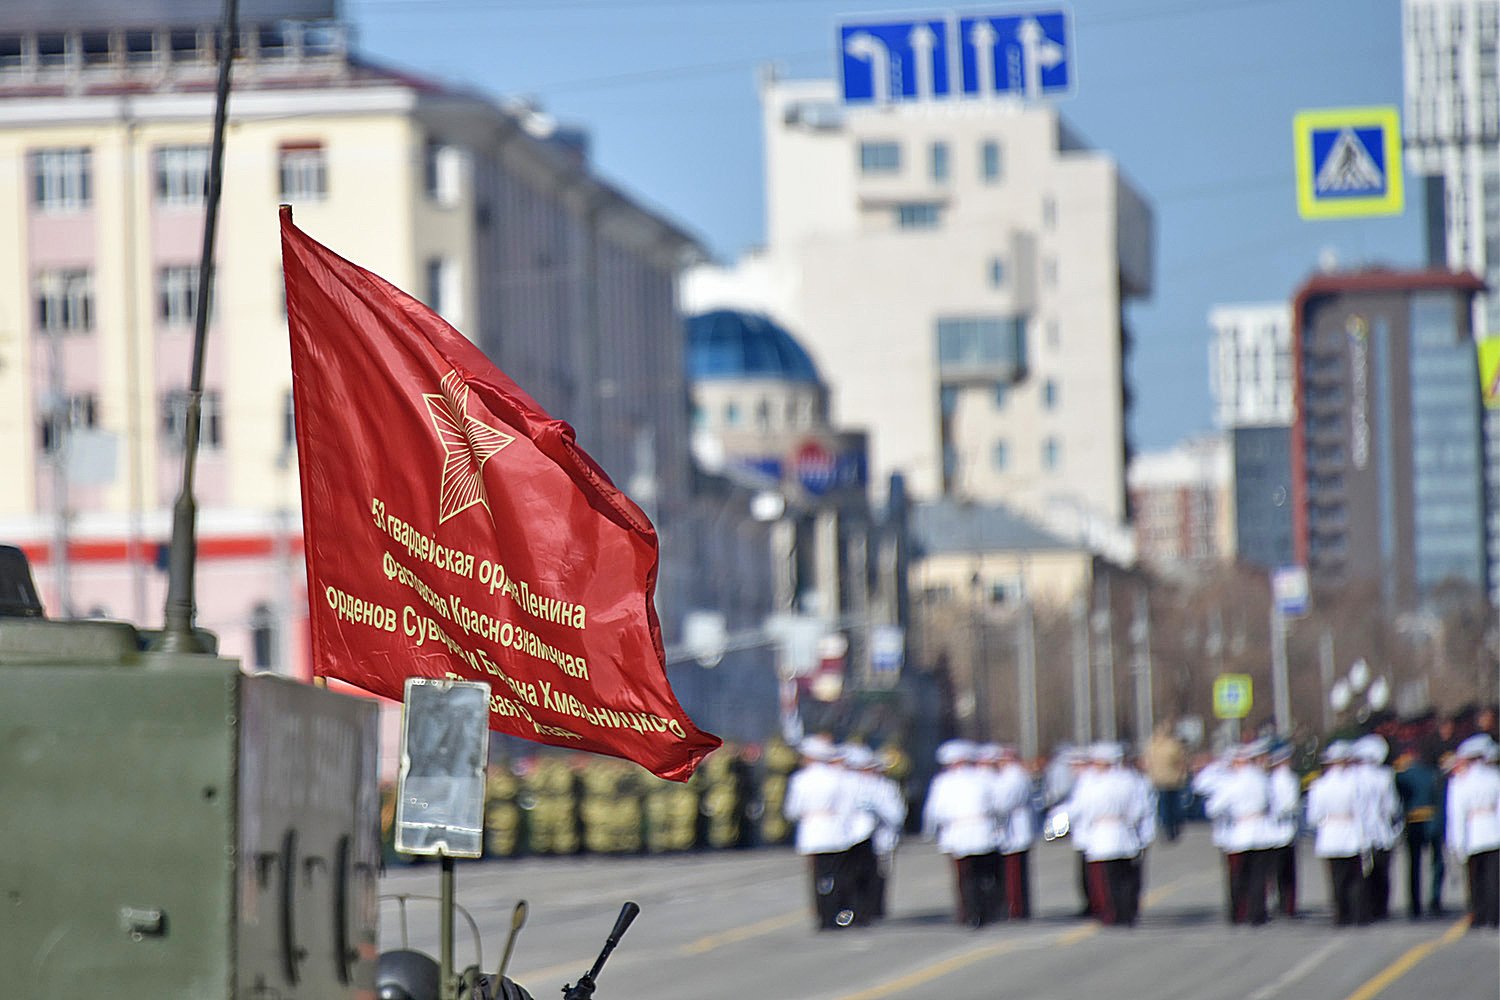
(487, 211)
(960, 274)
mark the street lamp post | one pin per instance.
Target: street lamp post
(1103, 622)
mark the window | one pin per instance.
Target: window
(80, 409)
(1049, 212)
(441, 173)
(989, 161)
(174, 409)
(879, 157)
(991, 348)
(288, 422)
(263, 637)
(731, 414)
(918, 215)
(1002, 393)
(1001, 456)
(140, 47)
(940, 162)
(52, 50)
(12, 55)
(304, 172)
(183, 43)
(177, 295)
(443, 293)
(1049, 271)
(61, 179)
(181, 175)
(95, 46)
(1051, 453)
(65, 301)
(1049, 394)
(997, 272)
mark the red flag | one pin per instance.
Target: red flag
(453, 528)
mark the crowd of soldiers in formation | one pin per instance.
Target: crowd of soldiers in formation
(986, 811)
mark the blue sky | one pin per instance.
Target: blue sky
(1194, 98)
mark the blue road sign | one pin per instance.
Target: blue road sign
(1348, 162)
(1018, 53)
(895, 61)
(1021, 54)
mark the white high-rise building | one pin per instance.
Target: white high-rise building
(959, 273)
(1451, 52)
(1250, 365)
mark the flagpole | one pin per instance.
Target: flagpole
(177, 631)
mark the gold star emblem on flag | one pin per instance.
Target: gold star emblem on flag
(467, 444)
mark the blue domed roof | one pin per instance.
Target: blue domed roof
(728, 344)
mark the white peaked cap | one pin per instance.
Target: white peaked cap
(1106, 753)
(859, 756)
(1476, 747)
(1371, 749)
(955, 752)
(1336, 752)
(817, 748)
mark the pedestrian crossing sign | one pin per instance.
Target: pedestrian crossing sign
(1232, 696)
(1348, 162)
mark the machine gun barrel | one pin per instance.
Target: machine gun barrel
(584, 988)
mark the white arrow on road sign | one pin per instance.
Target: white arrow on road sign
(1037, 51)
(863, 45)
(983, 35)
(923, 39)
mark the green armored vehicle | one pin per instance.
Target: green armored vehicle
(171, 827)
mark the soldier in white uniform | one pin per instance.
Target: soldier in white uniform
(1114, 816)
(1242, 801)
(878, 800)
(1204, 784)
(1060, 818)
(960, 816)
(1286, 818)
(1473, 825)
(820, 800)
(1333, 810)
(1017, 832)
(992, 873)
(1383, 818)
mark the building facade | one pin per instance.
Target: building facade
(1251, 378)
(1250, 365)
(1388, 447)
(1450, 50)
(960, 273)
(1262, 468)
(1183, 502)
(794, 548)
(486, 211)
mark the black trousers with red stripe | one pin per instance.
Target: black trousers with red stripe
(1247, 886)
(1484, 888)
(1115, 891)
(1284, 864)
(969, 884)
(1018, 884)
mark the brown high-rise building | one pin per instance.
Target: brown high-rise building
(1388, 444)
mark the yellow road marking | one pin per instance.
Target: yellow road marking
(712, 941)
(1405, 963)
(938, 969)
(941, 968)
(566, 969)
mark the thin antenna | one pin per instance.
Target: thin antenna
(177, 631)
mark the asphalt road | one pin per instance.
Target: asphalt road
(738, 924)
